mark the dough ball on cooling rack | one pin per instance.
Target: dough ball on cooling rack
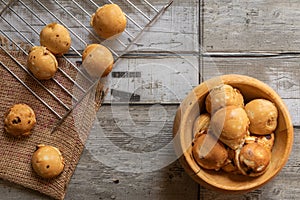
(97, 60)
(42, 63)
(19, 120)
(109, 20)
(47, 161)
(56, 38)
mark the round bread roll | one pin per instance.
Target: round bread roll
(253, 159)
(47, 161)
(56, 38)
(212, 155)
(201, 124)
(263, 116)
(109, 20)
(231, 125)
(97, 60)
(267, 141)
(19, 120)
(42, 63)
(222, 96)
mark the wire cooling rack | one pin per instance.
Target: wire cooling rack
(22, 21)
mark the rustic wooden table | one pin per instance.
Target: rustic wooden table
(192, 41)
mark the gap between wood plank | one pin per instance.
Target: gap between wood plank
(167, 54)
(200, 57)
(278, 54)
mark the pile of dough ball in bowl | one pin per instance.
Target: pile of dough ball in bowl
(233, 133)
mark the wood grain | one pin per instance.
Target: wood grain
(154, 80)
(169, 182)
(245, 26)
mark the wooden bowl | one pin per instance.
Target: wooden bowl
(194, 104)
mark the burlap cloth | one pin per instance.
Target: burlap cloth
(70, 137)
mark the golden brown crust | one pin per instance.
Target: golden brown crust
(97, 60)
(222, 96)
(267, 141)
(201, 124)
(19, 120)
(47, 161)
(263, 116)
(253, 159)
(215, 158)
(56, 38)
(109, 20)
(42, 63)
(231, 125)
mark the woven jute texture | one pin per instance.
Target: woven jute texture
(69, 137)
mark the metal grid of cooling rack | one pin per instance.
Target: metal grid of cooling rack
(22, 20)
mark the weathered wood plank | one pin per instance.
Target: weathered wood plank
(280, 73)
(164, 34)
(93, 180)
(14, 192)
(251, 25)
(283, 186)
(153, 80)
(133, 171)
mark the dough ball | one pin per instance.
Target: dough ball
(231, 125)
(222, 96)
(201, 124)
(263, 116)
(47, 161)
(19, 120)
(97, 60)
(56, 38)
(208, 152)
(109, 20)
(253, 159)
(42, 63)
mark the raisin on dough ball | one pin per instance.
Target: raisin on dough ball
(56, 38)
(215, 158)
(19, 120)
(222, 96)
(97, 60)
(47, 161)
(109, 20)
(42, 63)
(253, 159)
(263, 116)
(267, 141)
(231, 125)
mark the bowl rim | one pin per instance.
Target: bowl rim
(192, 99)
